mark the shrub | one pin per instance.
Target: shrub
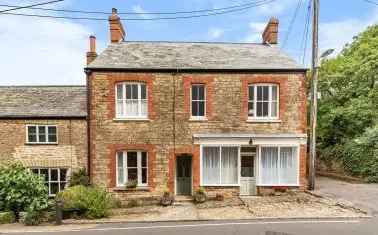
(200, 195)
(79, 177)
(94, 202)
(7, 217)
(32, 218)
(21, 190)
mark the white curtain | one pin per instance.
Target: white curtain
(144, 107)
(211, 165)
(288, 165)
(269, 165)
(132, 108)
(120, 169)
(229, 165)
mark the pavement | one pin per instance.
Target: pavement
(359, 194)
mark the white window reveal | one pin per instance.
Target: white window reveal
(220, 165)
(263, 101)
(42, 134)
(279, 166)
(131, 100)
(198, 101)
(55, 178)
(132, 166)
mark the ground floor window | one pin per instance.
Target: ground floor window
(220, 165)
(132, 167)
(278, 166)
(55, 178)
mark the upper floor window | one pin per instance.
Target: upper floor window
(263, 101)
(41, 134)
(131, 100)
(198, 104)
(132, 167)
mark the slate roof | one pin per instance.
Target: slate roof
(193, 56)
(43, 101)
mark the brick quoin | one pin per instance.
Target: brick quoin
(115, 78)
(151, 159)
(281, 81)
(208, 81)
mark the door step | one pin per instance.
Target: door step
(183, 198)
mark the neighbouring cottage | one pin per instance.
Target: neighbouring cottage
(229, 117)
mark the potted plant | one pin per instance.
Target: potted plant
(132, 184)
(167, 199)
(200, 195)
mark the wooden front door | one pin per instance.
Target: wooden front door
(248, 171)
(184, 175)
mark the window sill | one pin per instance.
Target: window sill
(198, 119)
(220, 185)
(131, 119)
(140, 188)
(264, 120)
(29, 143)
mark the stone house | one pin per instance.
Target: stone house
(229, 117)
(169, 116)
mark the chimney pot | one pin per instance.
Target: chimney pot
(270, 34)
(114, 11)
(91, 54)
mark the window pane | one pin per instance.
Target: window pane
(45, 174)
(195, 108)
(251, 93)
(247, 166)
(266, 93)
(131, 159)
(269, 165)
(134, 91)
(288, 165)
(211, 165)
(274, 109)
(201, 108)
(144, 108)
(63, 174)
(229, 165)
(144, 176)
(132, 108)
(42, 133)
(52, 130)
(201, 92)
(250, 109)
(132, 174)
(194, 92)
(274, 93)
(259, 93)
(54, 188)
(120, 169)
(32, 130)
(35, 171)
(265, 109)
(119, 91)
(143, 91)
(144, 159)
(120, 110)
(62, 186)
(52, 137)
(54, 174)
(128, 91)
(259, 111)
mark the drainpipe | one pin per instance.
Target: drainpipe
(89, 170)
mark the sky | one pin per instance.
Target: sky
(40, 51)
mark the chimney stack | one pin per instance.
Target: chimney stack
(270, 35)
(117, 32)
(91, 54)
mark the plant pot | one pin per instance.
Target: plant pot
(200, 198)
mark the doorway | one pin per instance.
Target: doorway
(248, 171)
(184, 175)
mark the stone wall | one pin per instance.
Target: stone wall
(70, 152)
(168, 131)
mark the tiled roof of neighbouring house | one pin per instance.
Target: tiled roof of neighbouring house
(43, 101)
(193, 56)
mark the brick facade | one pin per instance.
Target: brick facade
(70, 151)
(168, 133)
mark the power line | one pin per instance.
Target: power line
(30, 6)
(292, 23)
(139, 13)
(306, 33)
(145, 19)
(371, 2)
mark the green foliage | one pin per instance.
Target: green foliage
(21, 190)
(348, 109)
(32, 218)
(79, 177)
(7, 217)
(200, 195)
(93, 201)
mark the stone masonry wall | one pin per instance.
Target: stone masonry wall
(70, 152)
(168, 131)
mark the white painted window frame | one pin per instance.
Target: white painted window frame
(37, 133)
(51, 181)
(125, 168)
(204, 100)
(297, 184)
(123, 100)
(220, 163)
(270, 100)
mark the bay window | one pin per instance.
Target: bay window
(279, 166)
(131, 100)
(220, 165)
(131, 166)
(263, 101)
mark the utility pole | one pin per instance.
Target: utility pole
(314, 91)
